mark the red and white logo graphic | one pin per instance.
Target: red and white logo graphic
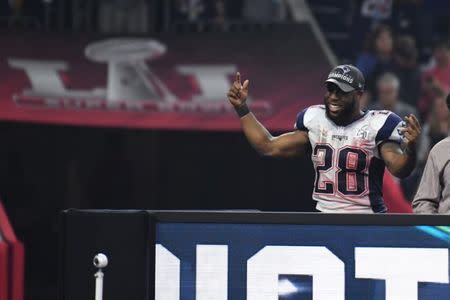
(131, 84)
(169, 82)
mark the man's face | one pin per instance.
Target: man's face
(339, 105)
(384, 43)
(442, 56)
(387, 93)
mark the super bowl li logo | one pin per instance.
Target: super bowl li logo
(130, 84)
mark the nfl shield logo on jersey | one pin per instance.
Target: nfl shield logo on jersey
(363, 132)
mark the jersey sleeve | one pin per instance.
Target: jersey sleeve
(305, 118)
(390, 131)
(300, 121)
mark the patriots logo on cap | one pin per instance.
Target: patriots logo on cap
(344, 69)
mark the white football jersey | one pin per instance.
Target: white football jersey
(348, 165)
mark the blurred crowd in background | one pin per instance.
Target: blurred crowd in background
(402, 46)
(398, 81)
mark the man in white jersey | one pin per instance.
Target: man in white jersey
(349, 148)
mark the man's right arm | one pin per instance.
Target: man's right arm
(286, 145)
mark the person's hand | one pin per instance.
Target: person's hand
(237, 95)
(411, 132)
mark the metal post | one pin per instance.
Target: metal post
(100, 261)
(99, 285)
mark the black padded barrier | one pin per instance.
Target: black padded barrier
(125, 237)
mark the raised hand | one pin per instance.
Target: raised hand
(412, 131)
(237, 95)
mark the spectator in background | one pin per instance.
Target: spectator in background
(366, 15)
(388, 87)
(123, 16)
(413, 18)
(377, 50)
(436, 80)
(432, 18)
(218, 13)
(435, 129)
(438, 125)
(406, 69)
(23, 14)
(188, 10)
(433, 194)
(213, 12)
(403, 64)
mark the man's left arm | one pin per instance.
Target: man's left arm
(400, 159)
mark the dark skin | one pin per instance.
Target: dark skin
(346, 105)
(342, 108)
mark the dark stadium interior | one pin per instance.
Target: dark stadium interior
(46, 168)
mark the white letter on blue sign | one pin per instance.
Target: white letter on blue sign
(167, 274)
(402, 268)
(265, 266)
(212, 272)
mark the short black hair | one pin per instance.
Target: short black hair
(405, 46)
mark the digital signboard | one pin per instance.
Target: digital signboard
(221, 261)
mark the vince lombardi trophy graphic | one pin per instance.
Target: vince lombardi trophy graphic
(129, 77)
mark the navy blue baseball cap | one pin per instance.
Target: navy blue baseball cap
(347, 77)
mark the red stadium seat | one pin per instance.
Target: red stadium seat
(4, 282)
(12, 261)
